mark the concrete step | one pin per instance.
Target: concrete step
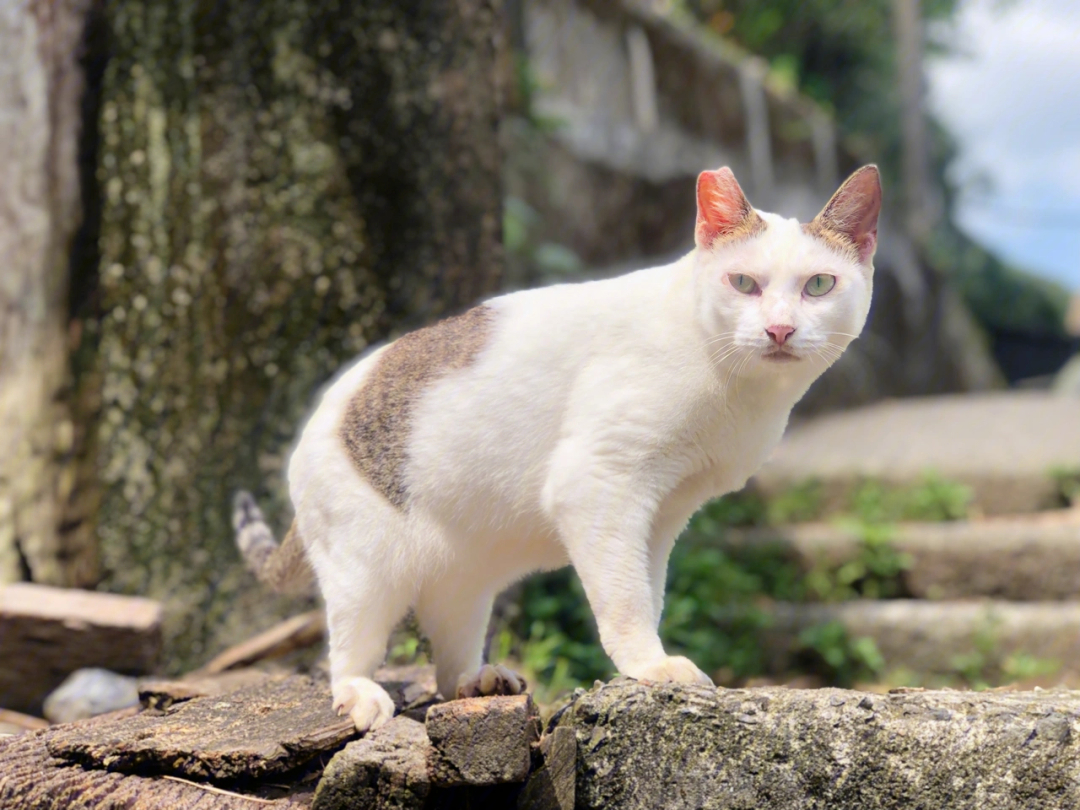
(930, 639)
(1024, 558)
(1004, 445)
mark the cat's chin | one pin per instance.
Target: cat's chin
(780, 357)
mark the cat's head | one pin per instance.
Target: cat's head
(776, 295)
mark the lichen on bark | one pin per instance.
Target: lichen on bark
(247, 161)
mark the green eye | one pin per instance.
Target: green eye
(743, 284)
(819, 284)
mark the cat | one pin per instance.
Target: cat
(576, 424)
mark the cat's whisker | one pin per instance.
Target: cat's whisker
(724, 353)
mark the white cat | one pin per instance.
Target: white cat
(579, 423)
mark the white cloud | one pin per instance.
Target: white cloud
(1014, 104)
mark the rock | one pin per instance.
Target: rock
(482, 741)
(250, 734)
(386, 769)
(1005, 446)
(90, 692)
(689, 747)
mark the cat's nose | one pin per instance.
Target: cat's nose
(779, 333)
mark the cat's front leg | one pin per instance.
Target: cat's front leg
(605, 520)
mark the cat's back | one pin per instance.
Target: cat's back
(473, 403)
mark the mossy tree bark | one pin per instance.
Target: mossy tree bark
(285, 183)
(43, 532)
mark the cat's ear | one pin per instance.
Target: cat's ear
(723, 212)
(852, 213)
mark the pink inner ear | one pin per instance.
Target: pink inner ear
(721, 206)
(853, 211)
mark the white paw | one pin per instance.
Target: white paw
(364, 701)
(671, 668)
(491, 680)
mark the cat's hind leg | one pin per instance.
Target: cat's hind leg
(363, 604)
(453, 611)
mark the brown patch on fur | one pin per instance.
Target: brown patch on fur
(834, 239)
(376, 426)
(750, 225)
(283, 567)
(287, 570)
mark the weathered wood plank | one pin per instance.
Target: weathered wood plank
(32, 779)
(249, 734)
(294, 633)
(47, 633)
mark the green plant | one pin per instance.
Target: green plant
(933, 498)
(1067, 480)
(830, 649)
(797, 504)
(875, 572)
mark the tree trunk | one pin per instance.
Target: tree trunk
(285, 183)
(39, 213)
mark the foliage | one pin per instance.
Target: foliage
(1068, 484)
(875, 572)
(932, 498)
(849, 660)
(840, 53)
(999, 295)
(983, 665)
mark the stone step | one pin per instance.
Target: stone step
(1028, 558)
(939, 638)
(1005, 445)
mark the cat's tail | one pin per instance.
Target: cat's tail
(282, 567)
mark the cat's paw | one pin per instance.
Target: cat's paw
(671, 669)
(364, 701)
(491, 680)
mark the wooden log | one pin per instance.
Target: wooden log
(261, 731)
(32, 779)
(388, 768)
(294, 633)
(46, 633)
(161, 694)
(482, 741)
(20, 721)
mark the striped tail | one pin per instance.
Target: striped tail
(282, 567)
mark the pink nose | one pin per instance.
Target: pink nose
(779, 333)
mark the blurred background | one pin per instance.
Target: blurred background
(208, 207)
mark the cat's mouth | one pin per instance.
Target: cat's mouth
(779, 355)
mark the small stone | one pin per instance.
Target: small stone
(90, 692)
(1054, 727)
(481, 741)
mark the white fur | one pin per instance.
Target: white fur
(596, 420)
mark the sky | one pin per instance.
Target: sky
(1012, 99)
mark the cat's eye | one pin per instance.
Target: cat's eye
(743, 283)
(819, 284)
